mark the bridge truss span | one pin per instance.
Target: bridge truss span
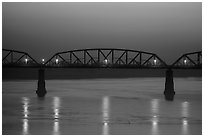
(105, 57)
(191, 60)
(14, 58)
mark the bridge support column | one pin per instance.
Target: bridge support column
(169, 86)
(41, 91)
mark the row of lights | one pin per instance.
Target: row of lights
(155, 61)
(105, 61)
(43, 61)
(26, 60)
(56, 61)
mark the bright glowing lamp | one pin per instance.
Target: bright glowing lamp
(57, 60)
(155, 61)
(43, 61)
(185, 61)
(106, 61)
(26, 60)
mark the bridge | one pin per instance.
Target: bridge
(102, 58)
(114, 58)
(14, 58)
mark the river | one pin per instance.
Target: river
(119, 106)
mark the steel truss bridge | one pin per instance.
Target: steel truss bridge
(102, 58)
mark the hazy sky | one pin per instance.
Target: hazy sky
(42, 29)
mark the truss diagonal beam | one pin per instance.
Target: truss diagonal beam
(190, 60)
(62, 58)
(134, 58)
(20, 58)
(120, 57)
(6, 55)
(147, 60)
(105, 56)
(90, 56)
(76, 58)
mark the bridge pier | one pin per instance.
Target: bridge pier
(41, 91)
(169, 86)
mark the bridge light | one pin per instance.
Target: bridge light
(26, 60)
(185, 61)
(155, 61)
(106, 61)
(43, 61)
(57, 60)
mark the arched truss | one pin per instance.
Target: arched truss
(114, 58)
(189, 60)
(13, 58)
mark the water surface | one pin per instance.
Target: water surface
(102, 106)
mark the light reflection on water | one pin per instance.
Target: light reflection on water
(155, 111)
(25, 121)
(56, 110)
(105, 114)
(185, 115)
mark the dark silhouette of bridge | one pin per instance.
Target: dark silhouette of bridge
(113, 58)
(14, 58)
(96, 58)
(103, 58)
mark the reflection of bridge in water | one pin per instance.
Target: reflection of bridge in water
(102, 58)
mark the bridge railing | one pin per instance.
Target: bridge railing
(105, 58)
(14, 58)
(191, 60)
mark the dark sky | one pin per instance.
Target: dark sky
(42, 29)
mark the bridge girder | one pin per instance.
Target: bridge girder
(191, 60)
(106, 57)
(14, 58)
